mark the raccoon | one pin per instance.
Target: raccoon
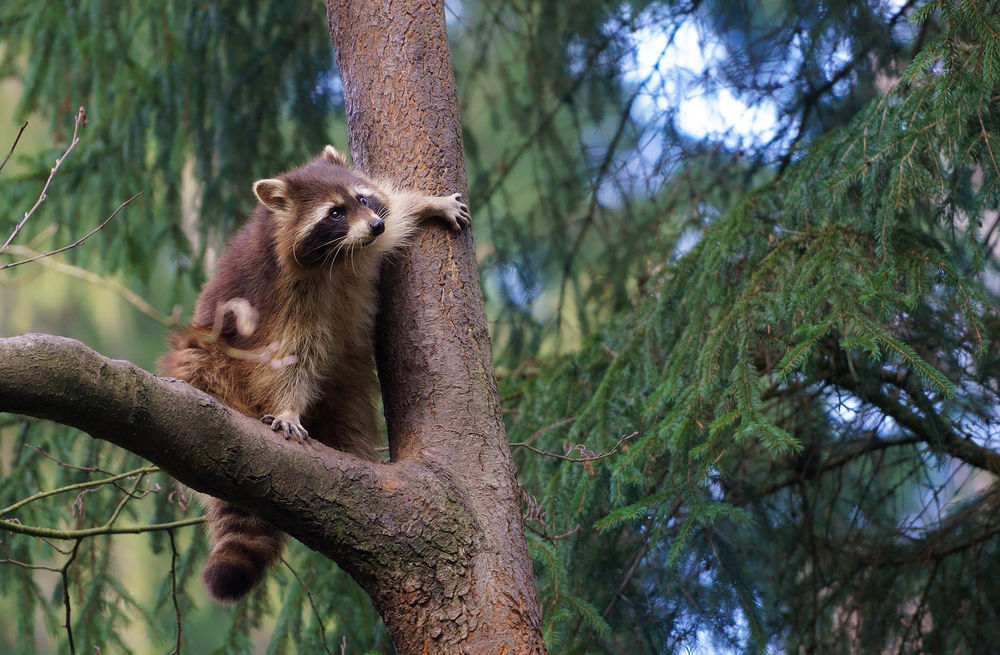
(284, 330)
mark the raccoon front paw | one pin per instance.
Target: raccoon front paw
(291, 429)
(455, 212)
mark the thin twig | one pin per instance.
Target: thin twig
(34, 531)
(81, 117)
(624, 438)
(72, 245)
(54, 547)
(64, 573)
(78, 485)
(173, 591)
(121, 505)
(552, 538)
(33, 567)
(16, 139)
(265, 355)
(629, 572)
(319, 619)
(540, 431)
(75, 467)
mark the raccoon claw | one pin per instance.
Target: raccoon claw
(456, 213)
(291, 429)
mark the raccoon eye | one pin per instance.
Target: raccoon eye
(363, 200)
(336, 213)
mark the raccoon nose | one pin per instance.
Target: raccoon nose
(377, 226)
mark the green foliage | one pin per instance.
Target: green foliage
(851, 272)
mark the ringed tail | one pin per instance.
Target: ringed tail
(243, 548)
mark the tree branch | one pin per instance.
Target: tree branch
(936, 430)
(14, 145)
(81, 117)
(351, 510)
(76, 243)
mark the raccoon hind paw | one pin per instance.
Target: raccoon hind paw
(291, 429)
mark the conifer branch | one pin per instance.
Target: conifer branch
(916, 363)
(983, 20)
(937, 432)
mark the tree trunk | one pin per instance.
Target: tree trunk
(434, 357)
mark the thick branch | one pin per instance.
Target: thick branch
(936, 430)
(352, 510)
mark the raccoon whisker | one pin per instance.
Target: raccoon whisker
(320, 246)
(336, 251)
(350, 258)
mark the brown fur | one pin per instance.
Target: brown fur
(304, 332)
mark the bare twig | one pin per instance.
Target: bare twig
(111, 285)
(16, 139)
(121, 505)
(540, 431)
(76, 243)
(64, 573)
(33, 567)
(552, 538)
(81, 117)
(77, 486)
(75, 467)
(264, 355)
(580, 447)
(34, 531)
(173, 591)
(629, 572)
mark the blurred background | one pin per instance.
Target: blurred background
(740, 265)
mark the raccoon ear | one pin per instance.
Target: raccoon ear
(334, 155)
(273, 194)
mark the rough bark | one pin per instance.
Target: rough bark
(435, 362)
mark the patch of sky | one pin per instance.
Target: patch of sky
(673, 67)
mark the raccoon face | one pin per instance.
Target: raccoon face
(343, 225)
(322, 211)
